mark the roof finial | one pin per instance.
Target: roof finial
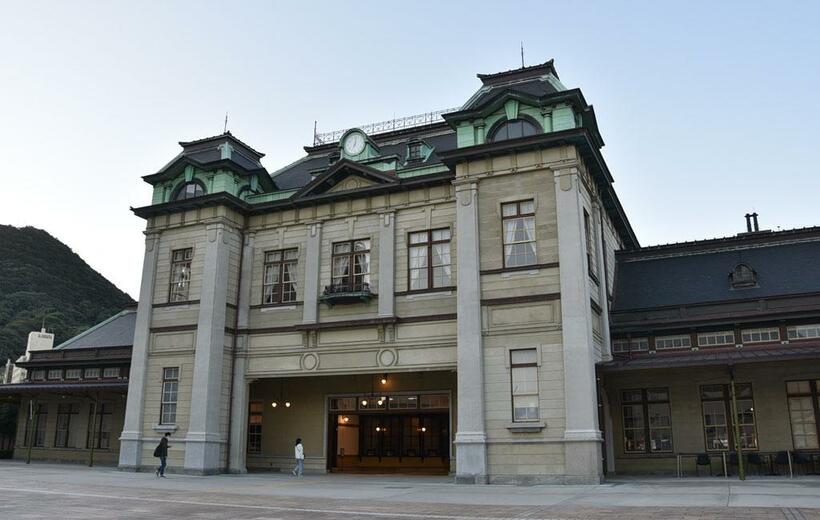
(225, 128)
(522, 54)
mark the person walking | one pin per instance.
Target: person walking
(161, 451)
(299, 451)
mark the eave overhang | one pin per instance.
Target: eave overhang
(63, 388)
(579, 137)
(217, 199)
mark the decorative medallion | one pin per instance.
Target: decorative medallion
(387, 357)
(310, 361)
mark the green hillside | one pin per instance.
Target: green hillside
(42, 277)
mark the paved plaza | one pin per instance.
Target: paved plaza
(77, 492)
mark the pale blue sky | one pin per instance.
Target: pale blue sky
(708, 109)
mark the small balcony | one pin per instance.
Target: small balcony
(346, 293)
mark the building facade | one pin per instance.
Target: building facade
(431, 298)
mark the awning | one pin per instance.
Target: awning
(722, 357)
(64, 388)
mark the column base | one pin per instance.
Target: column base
(130, 452)
(203, 456)
(471, 458)
(583, 462)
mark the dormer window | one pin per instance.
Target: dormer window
(414, 152)
(190, 190)
(513, 129)
(743, 276)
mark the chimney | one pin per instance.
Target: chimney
(754, 217)
(40, 341)
(748, 222)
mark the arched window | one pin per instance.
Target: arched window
(513, 129)
(743, 276)
(189, 190)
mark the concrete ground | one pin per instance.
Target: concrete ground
(77, 492)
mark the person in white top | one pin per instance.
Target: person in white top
(299, 451)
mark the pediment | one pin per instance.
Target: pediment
(345, 176)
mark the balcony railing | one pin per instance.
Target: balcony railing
(346, 293)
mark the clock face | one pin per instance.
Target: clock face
(354, 144)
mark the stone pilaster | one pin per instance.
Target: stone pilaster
(131, 436)
(204, 440)
(471, 447)
(582, 435)
(240, 390)
(310, 309)
(387, 270)
(602, 279)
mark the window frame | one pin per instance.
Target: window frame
(255, 430)
(117, 376)
(182, 188)
(513, 394)
(96, 421)
(647, 429)
(186, 259)
(814, 395)
(630, 342)
(797, 328)
(73, 410)
(717, 333)
(496, 128)
(726, 401)
(350, 284)
(673, 338)
(518, 215)
(166, 380)
(414, 152)
(278, 287)
(590, 245)
(760, 331)
(430, 268)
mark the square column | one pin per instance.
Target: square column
(582, 436)
(204, 441)
(131, 436)
(471, 439)
(240, 391)
(387, 260)
(313, 249)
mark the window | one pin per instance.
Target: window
(414, 152)
(761, 335)
(180, 274)
(434, 401)
(55, 374)
(403, 402)
(40, 420)
(355, 254)
(804, 410)
(518, 222)
(671, 342)
(73, 373)
(589, 239)
(513, 129)
(524, 368)
(342, 404)
(170, 389)
(99, 426)
(91, 373)
(279, 285)
(255, 427)
(646, 415)
(111, 372)
(66, 417)
(716, 401)
(38, 375)
(190, 190)
(429, 259)
(630, 345)
(804, 331)
(711, 339)
(743, 276)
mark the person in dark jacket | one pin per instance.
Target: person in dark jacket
(162, 453)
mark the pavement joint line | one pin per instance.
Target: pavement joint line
(274, 508)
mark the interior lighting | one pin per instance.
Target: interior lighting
(287, 404)
(274, 404)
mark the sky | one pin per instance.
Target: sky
(709, 110)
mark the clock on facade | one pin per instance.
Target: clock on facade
(354, 143)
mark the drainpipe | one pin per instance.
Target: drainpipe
(93, 431)
(740, 469)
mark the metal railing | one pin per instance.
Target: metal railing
(389, 125)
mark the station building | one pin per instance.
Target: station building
(458, 293)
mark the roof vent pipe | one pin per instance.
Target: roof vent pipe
(748, 222)
(754, 217)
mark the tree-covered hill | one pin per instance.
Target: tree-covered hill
(40, 277)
